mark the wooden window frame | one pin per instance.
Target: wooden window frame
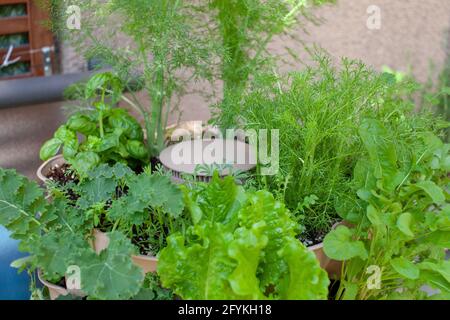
(38, 35)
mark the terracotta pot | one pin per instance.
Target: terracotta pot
(332, 267)
(45, 168)
(54, 290)
(147, 263)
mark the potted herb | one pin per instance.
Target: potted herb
(402, 220)
(164, 38)
(144, 207)
(245, 29)
(318, 112)
(57, 236)
(103, 134)
(241, 245)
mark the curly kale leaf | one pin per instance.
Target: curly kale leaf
(54, 252)
(23, 209)
(144, 192)
(111, 275)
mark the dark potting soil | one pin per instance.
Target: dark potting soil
(333, 289)
(312, 238)
(62, 174)
(155, 163)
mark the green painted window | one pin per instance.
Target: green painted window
(16, 39)
(18, 68)
(13, 10)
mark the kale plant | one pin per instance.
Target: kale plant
(136, 211)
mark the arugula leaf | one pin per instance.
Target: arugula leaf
(433, 190)
(382, 152)
(406, 268)
(339, 245)
(404, 224)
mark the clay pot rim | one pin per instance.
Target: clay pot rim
(60, 289)
(146, 258)
(149, 258)
(319, 246)
(45, 164)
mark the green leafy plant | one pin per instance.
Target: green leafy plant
(318, 112)
(401, 219)
(160, 40)
(144, 207)
(56, 237)
(152, 289)
(245, 29)
(240, 246)
(109, 135)
(136, 211)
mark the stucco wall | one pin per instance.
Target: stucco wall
(413, 34)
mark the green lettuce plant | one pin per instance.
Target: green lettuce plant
(401, 219)
(103, 134)
(240, 246)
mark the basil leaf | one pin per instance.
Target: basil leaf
(50, 149)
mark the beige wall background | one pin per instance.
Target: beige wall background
(414, 36)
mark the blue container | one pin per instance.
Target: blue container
(13, 286)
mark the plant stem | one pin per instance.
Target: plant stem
(100, 116)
